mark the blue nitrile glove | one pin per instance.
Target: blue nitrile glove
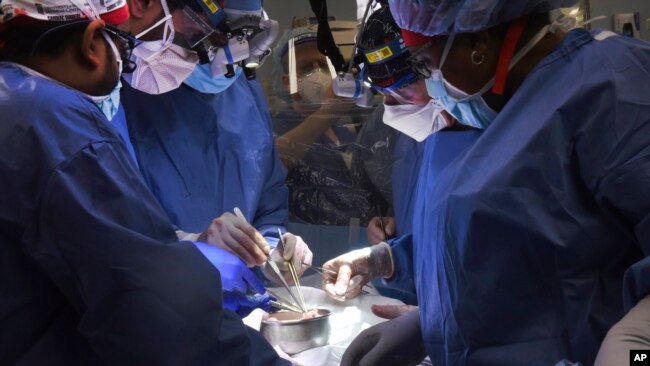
(235, 275)
(244, 304)
(237, 280)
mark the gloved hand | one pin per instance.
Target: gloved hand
(356, 268)
(294, 250)
(235, 235)
(631, 332)
(237, 281)
(235, 276)
(244, 304)
(391, 311)
(380, 229)
(394, 342)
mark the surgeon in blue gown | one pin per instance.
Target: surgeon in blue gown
(203, 154)
(407, 109)
(407, 112)
(533, 244)
(92, 271)
(206, 148)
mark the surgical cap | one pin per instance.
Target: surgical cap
(435, 17)
(111, 11)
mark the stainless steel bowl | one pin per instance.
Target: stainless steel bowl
(294, 334)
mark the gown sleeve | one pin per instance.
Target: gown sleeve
(613, 152)
(143, 298)
(402, 249)
(273, 208)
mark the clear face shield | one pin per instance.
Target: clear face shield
(194, 29)
(310, 73)
(198, 23)
(405, 91)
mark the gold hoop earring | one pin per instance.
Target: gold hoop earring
(475, 59)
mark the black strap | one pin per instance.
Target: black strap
(325, 40)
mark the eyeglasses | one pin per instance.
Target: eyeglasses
(125, 44)
(403, 94)
(419, 59)
(419, 67)
(395, 85)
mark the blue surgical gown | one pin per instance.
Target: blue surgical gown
(521, 245)
(91, 270)
(204, 154)
(407, 154)
(438, 151)
(405, 165)
(119, 124)
(391, 160)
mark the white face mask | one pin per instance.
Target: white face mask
(415, 121)
(313, 87)
(159, 70)
(161, 66)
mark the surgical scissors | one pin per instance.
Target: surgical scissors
(294, 274)
(273, 266)
(354, 281)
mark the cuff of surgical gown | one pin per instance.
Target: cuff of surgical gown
(402, 250)
(212, 253)
(270, 233)
(183, 236)
(637, 283)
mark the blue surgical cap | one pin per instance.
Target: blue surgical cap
(435, 17)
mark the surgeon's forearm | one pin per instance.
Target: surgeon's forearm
(631, 332)
(295, 144)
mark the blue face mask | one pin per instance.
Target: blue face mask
(470, 110)
(109, 104)
(201, 79)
